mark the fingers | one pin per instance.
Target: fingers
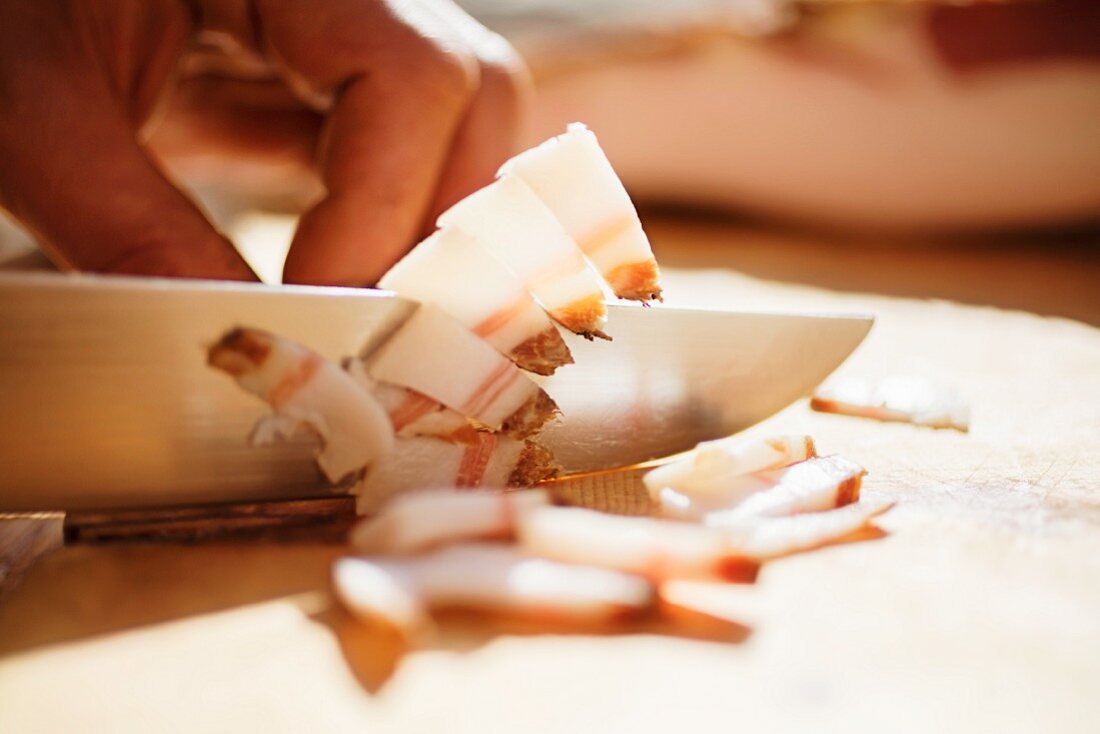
(399, 91)
(71, 168)
(491, 127)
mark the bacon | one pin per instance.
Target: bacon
(900, 398)
(510, 222)
(419, 520)
(493, 578)
(488, 461)
(715, 468)
(305, 390)
(412, 413)
(814, 485)
(476, 381)
(772, 537)
(658, 549)
(572, 176)
(452, 271)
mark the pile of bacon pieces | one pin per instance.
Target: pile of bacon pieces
(540, 245)
(720, 511)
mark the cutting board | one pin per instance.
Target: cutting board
(979, 611)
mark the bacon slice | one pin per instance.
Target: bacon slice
(434, 355)
(900, 398)
(415, 521)
(512, 223)
(814, 485)
(772, 537)
(490, 578)
(658, 549)
(572, 176)
(713, 467)
(451, 270)
(307, 390)
(491, 461)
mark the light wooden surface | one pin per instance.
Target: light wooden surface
(979, 612)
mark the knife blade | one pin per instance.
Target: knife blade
(106, 399)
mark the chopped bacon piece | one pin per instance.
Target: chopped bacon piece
(451, 270)
(572, 176)
(512, 223)
(435, 355)
(771, 537)
(901, 398)
(307, 390)
(713, 467)
(817, 484)
(490, 578)
(656, 548)
(491, 461)
(415, 521)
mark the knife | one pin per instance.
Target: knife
(106, 399)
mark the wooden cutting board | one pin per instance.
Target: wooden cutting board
(980, 611)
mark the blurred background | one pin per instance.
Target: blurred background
(926, 149)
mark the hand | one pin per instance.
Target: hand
(401, 107)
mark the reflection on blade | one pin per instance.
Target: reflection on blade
(674, 377)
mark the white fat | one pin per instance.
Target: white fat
(776, 536)
(571, 175)
(499, 578)
(419, 520)
(634, 544)
(810, 486)
(512, 223)
(435, 355)
(451, 270)
(419, 463)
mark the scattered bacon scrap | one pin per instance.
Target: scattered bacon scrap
(658, 549)
(488, 577)
(716, 468)
(901, 398)
(773, 537)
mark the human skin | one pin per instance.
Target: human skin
(398, 107)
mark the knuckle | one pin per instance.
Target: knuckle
(447, 71)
